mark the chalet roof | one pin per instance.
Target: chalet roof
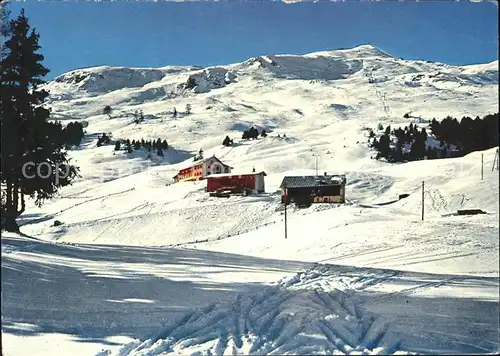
(312, 181)
(206, 160)
(236, 174)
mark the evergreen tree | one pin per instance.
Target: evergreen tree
(4, 25)
(103, 140)
(164, 145)
(72, 134)
(137, 145)
(418, 150)
(138, 116)
(174, 114)
(383, 146)
(263, 133)
(435, 127)
(227, 141)
(399, 135)
(423, 132)
(117, 146)
(397, 154)
(33, 160)
(128, 146)
(107, 110)
(159, 152)
(188, 109)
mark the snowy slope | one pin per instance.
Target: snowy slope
(149, 251)
(183, 301)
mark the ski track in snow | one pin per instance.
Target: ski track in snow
(317, 311)
(277, 321)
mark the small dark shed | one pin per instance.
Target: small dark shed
(305, 190)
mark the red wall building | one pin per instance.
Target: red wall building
(253, 181)
(201, 169)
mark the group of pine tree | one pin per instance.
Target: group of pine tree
(253, 133)
(466, 136)
(33, 158)
(159, 146)
(70, 135)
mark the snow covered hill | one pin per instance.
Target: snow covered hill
(149, 252)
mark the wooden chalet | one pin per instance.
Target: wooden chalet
(306, 190)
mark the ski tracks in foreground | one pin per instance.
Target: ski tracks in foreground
(279, 320)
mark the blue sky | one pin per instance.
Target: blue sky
(84, 34)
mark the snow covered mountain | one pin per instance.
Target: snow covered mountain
(277, 93)
(150, 251)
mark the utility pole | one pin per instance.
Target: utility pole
(482, 166)
(497, 155)
(423, 200)
(496, 161)
(316, 156)
(285, 201)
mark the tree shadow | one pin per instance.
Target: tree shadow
(94, 292)
(437, 324)
(35, 218)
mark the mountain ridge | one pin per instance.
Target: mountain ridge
(320, 65)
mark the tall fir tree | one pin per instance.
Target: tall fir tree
(383, 146)
(33, 160)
